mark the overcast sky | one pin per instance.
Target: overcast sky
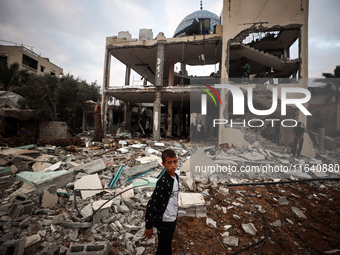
(72, 33)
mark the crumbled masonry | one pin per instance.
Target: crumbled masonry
(80, 214)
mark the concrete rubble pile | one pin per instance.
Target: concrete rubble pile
(84, 202)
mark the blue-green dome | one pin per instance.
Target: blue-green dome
(190, 23)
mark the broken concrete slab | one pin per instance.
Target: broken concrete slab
(211, 222)
(230, 241)
(276, 223)
(127, 191)
(101, 204)
(87, 211)
(283, 201)
(101, 248)
(249, 228)
(88, 182)
(150, 151)
(233, 137)
(160, 144)
(132, 171)
(186, 200)
(307, 147)
(185, 166)
(123, 150)
(30, 240)
(199, 163)
(298, 212)
(15, 152)
(201, 211)
(39, 166)
(49, 197)
(41, 180)
(92, 167)
(14, 247)
(151, 182)
(148, 159)
(188, 181)
(255, 156)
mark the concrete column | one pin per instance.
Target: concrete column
(156, 131)
(171, 74)
(127, 116)
(170, 117)
(183, 71)
(107, 66)
(322, 139)
(286, 53)
(179, 122)
(106, 85)
(110, 119)
(127, 76)
(105, 99)
(303, 42)
(159, 65)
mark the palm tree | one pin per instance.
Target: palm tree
(332, 82)
(10, 76)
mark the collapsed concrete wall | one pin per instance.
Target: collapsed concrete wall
(53, 130)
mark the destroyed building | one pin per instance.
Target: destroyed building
(264, 34)
(92, 200)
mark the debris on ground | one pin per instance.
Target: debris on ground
(92, 196)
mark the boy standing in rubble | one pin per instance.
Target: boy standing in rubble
(162, 208)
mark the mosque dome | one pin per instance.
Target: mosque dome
(191, 24)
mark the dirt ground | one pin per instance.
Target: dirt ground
(317, 234)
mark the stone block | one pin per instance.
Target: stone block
(298, 212)
(49, 249)
(14, 247)
(283, 201)
(201, 211)
(88, 182)
(30, 240)
(124, 35)
(230, 241)
(91, 167)
(89, 249)
(211, 222)
(145, 34)
(249, 228)
(49, 197)
(19, 208)
(186, 200)
(42, 180)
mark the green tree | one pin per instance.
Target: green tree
(72, 93)
(58, 98)
(332, 83)
(40, 95)
(10, 76)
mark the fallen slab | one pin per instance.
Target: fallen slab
(42, 180)
(92, 167)
(88, 182)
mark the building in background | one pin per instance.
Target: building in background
(29, 60)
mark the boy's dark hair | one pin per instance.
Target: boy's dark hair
(168, 153)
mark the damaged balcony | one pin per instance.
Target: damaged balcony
(266, 50)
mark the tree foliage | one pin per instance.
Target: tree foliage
(72, 93)
(10, 76)
(59, 99)
(40, 93)
(332, 83)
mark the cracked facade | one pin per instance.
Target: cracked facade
(259, 32)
